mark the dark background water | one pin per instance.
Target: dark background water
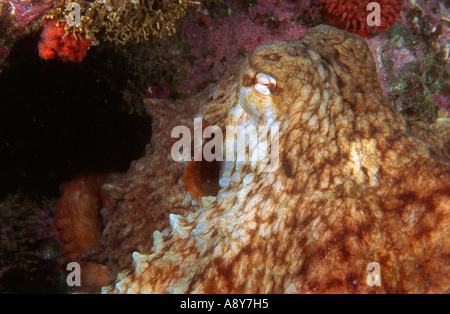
(61, 119)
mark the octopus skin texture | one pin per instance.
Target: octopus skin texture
(79, 224)
(357, 183)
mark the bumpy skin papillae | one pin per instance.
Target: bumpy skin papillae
(356, 184)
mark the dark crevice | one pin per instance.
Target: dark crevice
(61, 119)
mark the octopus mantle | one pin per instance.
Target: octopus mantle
(356, 184)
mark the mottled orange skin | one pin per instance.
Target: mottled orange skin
(357, 183)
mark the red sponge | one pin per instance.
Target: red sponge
(55, 42)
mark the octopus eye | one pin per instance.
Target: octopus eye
(265, 84)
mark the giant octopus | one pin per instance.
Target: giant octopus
(356, 184)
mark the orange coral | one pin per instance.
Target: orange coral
(66, 46)
(352, 15)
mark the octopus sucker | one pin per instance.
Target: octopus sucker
(356, 184)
